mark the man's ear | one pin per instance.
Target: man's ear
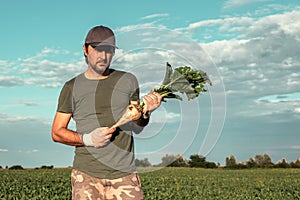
(85, 51)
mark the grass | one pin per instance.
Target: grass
(166, 183)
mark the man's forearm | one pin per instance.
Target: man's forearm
(138, 125)
(67, 137)
(142, 121)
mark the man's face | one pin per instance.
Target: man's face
(99, 58)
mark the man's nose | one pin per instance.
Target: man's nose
(102, 54)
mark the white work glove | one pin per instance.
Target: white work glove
(98, 137)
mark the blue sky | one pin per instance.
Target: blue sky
(249, 48)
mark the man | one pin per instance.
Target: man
(103, 166)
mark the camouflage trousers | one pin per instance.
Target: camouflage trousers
(87, 187)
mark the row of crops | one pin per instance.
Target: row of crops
(222, 184)
(167, 183)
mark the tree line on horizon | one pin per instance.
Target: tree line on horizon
(199, 161)
(259, 161)
(19, 167)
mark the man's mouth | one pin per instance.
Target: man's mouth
(101, 62)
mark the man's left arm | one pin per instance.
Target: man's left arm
(152, 101)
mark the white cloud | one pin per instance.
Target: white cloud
(279, 98)
(12, 118)
(42, 69)
(9, 81)
(129, 28)
(8, 119)
(3, 63)
(271, 39)
(283, 24)
(272, 110)
(33, 151)
(3, 150)
(239, 3)
(263, 57)
(29, 103)
(163, 117)
(228, 23)
(295, 147)
(155, 16)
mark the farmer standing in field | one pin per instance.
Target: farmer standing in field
(104, 163)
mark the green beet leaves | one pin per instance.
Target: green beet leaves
(183, 80)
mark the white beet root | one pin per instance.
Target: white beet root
(132, 113)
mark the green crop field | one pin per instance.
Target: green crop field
(167, 183)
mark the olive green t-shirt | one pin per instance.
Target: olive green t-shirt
(100, 103)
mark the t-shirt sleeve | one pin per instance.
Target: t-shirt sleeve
(65, 99)
(135, 93)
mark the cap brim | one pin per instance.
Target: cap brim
(105, 44)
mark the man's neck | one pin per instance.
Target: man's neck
(91, 74)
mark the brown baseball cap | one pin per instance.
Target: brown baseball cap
(100, 36)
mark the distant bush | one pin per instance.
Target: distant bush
(295, 164)
(142, 163)
(200, 161)
(16, 167)
(47, 167)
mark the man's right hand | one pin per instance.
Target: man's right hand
(98, 137)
